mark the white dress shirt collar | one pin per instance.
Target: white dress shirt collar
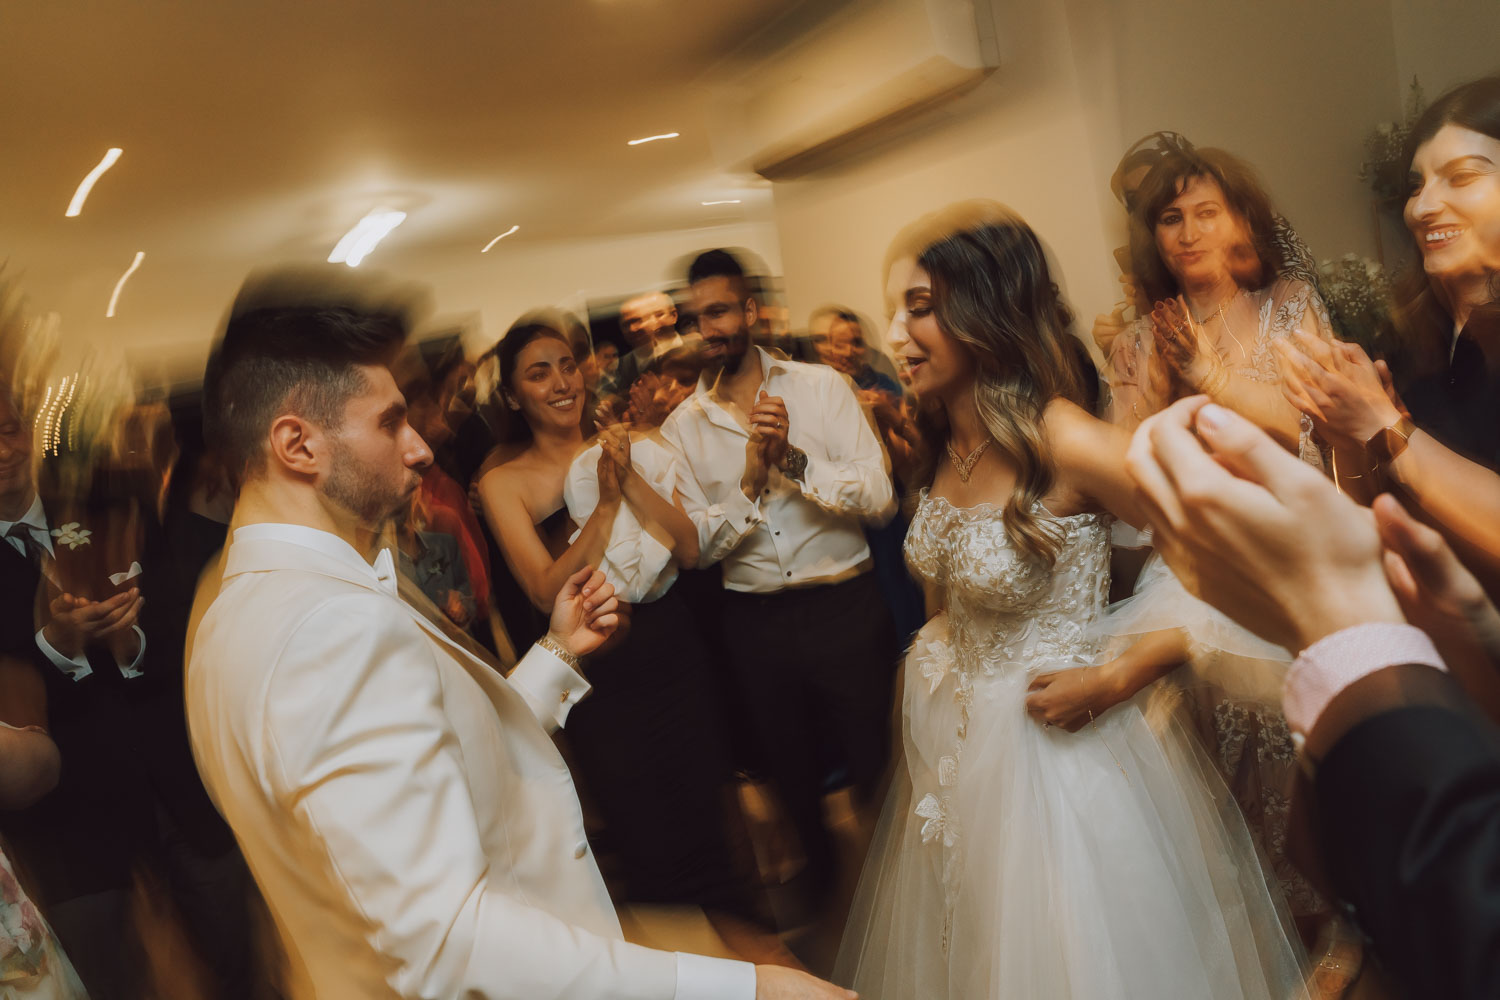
(35, 518)
(325, 543)
(797, 532)
(770, 365)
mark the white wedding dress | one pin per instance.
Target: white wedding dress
(1017, 862)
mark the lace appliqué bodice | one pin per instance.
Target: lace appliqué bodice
(1006, 609)
(1004, 612)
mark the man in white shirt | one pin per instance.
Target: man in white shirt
(411, 826)
(779, 470)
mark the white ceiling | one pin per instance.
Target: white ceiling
(261, 131)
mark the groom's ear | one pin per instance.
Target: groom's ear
(297, 445)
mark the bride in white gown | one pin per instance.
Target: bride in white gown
(1015, 859)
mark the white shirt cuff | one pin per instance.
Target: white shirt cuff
(703, 978)
(549, 685)
(739, 510)
(76, 667)
(1336, 661)
(133, 670)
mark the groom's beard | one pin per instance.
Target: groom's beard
(364, 492)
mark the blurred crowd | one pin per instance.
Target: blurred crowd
(746, 487)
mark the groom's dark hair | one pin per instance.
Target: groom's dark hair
(295, 359)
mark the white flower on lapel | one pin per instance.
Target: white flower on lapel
(71, 535)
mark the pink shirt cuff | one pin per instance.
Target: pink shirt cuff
(1336, 661)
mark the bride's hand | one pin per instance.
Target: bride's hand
(1066, 698)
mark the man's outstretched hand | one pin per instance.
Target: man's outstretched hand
(585, 613)
(1253, 530)
(775, 982)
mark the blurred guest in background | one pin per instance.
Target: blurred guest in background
(455, 573)
(79, 843)
(665, 383)
(649, 742)
(838, 335)
(1296, 259)
(649, 323)
(1202, 250)
(779, 470)
(603, 367)
(32, 963)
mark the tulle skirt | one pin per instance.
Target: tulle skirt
(1023, 862)
(1228, 694)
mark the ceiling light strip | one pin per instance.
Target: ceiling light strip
(653, 138)
(87, 184)
(497, 239)
(365, 237)
(120, 285)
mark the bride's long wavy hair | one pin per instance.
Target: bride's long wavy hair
(993, 292)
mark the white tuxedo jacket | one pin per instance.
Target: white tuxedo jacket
(401, 805)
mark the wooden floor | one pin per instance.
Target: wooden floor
(676, 928)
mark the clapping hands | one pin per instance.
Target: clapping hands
(1349, 397)
(767, 445)
(614, 468)
(1182, 344)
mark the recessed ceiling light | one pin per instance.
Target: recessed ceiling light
(653, 138)
(87, 184)
(364, 237)
(497, 239)
(120, 285)
(724, 201)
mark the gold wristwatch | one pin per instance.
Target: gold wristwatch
(1385, 444)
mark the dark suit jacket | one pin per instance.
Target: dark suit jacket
(1408, 810)
(84, 835)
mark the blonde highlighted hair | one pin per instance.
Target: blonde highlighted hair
(993, 292)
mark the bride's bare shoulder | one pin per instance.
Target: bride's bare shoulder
(1066, 425)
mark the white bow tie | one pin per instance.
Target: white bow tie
(385, 571)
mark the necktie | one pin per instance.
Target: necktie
(35, 550)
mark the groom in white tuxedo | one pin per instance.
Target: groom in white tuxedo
(399, 802)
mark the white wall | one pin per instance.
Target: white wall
(1444, 43)
(1023, 137)
(1291, 87)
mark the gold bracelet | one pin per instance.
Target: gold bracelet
(560, 651)
(1214, 382)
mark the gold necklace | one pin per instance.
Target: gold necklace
(964, 466)
(1224, 319)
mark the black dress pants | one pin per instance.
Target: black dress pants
(815, 666)
(651, 746)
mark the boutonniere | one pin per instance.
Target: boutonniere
(71, 535)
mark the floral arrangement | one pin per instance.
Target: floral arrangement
(1357, 292)
(1385, 163)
